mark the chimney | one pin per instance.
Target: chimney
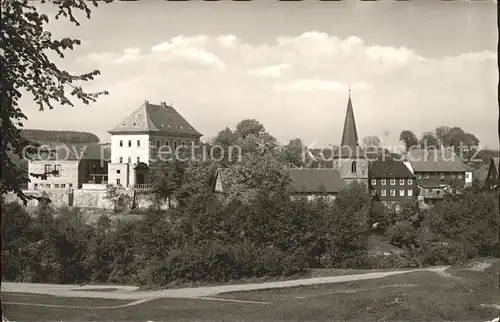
(146, 102)
(163, 104)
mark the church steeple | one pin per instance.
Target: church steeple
(350, 134)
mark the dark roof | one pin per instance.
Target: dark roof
(496, 162)
(349, 134)
(315, 180)
(74, 152)
(303, 180)
(389, 169)
(155, 118)
(436, 160)
(482, 173)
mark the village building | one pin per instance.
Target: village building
(391, 181)
(492, 179)
(349, 159)
(69, 166)
(308, 183)
(150, 134)
(436, 170)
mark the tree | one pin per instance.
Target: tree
(294, 153)
(442, 133)
(409, 138)
(429, 140)
(118, 196)
(26, 68)
(371, 142)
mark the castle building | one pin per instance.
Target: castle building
(150, 132)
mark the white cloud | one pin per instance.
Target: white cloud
(272, 71)
(314, 69)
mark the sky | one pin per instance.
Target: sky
(410, 65)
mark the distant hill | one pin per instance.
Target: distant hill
(69, 137)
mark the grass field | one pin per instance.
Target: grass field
(419, 296)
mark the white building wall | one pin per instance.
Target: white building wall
(123, 175)
(68, 175)
(132, 152)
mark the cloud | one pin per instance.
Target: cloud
(270, 81)
(272, 71)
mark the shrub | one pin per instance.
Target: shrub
(403, 234)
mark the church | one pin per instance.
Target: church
(349, 159)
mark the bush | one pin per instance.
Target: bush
(403, 234)
(404, 260)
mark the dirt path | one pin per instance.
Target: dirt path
(131, 292)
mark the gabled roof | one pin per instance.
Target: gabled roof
(496, 162)
(389, 169)
(155, 118)
(482, 173)
(75, 152)
(315, 180)
(303, 180)
(436, 160)
(349, 134)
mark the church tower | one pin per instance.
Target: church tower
(350, 159)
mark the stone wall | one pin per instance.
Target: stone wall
(85, 198)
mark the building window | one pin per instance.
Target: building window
(383, 192)
(401, 182)
(47, 185)
(57, 169)
(138, 159)
(410, 181)
(121, 159)
(191, 143)
(167, 143)
(353, 167)
(374, 182)
(118, 171)
(453, 176)
(129, 143)
(426, 176)
(175, 144)
(121, 143)
(36, 185)
(138, 142)
(183, 143)
(118, 182)
(48, 168)
(401, 193)
(419, 176)
(56, 185)
(158, 143)
(63, 185)
(129, 160)
(441, 176)
(70, 185)
(382, 182)
(410, 192)
(459, 176)
(393, 182)
(393, 192)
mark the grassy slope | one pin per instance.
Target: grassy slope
(422, 296)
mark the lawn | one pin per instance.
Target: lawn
(419, 296)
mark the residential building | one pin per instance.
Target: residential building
(349, 159)
(492, 179)
(391, 181)
(70, 166)
(440, 166)
(309, 183)
(151, 133)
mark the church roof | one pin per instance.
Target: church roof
(350, 134)
(155, 118)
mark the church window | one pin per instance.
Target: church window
(353, 167)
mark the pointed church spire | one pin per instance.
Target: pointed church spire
(350, 134)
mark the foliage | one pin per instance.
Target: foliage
(409, 139)
(429, 141)
(403, 234)
(371, 141)
(66, 137)
(118, 196)
(27, 68)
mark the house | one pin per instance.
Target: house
(391, 181)
(151, 133)
(439, 165)
(431, 191)
(492, 180)
(349, 159)
(309, 183)
(70, 166)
